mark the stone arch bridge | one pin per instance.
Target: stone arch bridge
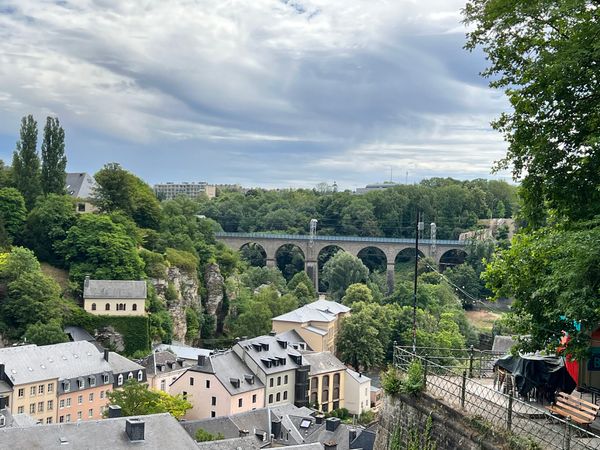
(390, 247)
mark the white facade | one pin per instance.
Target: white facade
(358, 392)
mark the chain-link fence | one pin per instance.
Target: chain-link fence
(490, 410)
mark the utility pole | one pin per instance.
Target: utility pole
(418, 227)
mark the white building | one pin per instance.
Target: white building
(357, 392)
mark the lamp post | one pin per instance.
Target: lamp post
(418, 227)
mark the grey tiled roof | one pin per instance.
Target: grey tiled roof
(161, 431)
(30, 363)
(357, 376)
(80, 185)
(245, 443)
(183, 351)
(365, 440)
(317, 311)
(78, 334)
(322, 362)
(121, 364)
(117, 289)
(166, 360)
(275, 350)
(292, 337)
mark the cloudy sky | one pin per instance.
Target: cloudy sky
(275, 93)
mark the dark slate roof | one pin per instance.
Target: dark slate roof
(120, 364)
(293, 339)
(167, 360)
(78, 334)
(117, 289)
(322, 362)
(263, 348)
(80, 185)
(245, 443)
(161, 431)
(365, 440)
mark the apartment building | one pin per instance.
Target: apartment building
(170, 190)
(163, 368)
(219, 385)
(357, 392)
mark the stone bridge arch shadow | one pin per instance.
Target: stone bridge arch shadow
(290, 259)
(254, 254)
(452, 258)
(324, 255)
(374, 258)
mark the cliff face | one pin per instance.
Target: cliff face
(179, 289)
(215, 289)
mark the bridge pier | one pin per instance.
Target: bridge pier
(312, 270)
(390, 272)
(271, 262)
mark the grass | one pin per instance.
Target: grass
(482, 320)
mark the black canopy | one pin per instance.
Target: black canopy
(547, 373)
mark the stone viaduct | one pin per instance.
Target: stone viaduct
(390, 247)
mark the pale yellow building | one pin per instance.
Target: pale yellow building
(114, 297)
(357, 392)
(317, 323)
(327, 381)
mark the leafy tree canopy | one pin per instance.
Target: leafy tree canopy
(357, 292)
(342, 270)
(54, 162)
(26, 162)
(12, 213)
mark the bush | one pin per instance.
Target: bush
(204, 436)
(184, 260)
(155, 264)
(366, 417)
(391, 381)
(341, 414)
(413, 383)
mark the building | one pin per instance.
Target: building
(154, 431)
(219, 385)
(81, 187)
(163, 368)
(376, 187)
(170, 190)
(280, 367)
(62, 382)
(114, 297)
(317, 323)
(327, 381)
(357, 392)
(184, 352)
(124, 369)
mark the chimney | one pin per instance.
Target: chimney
(352, 434)
(106, 353)
(332, 423)
(276, 427)
(86, 283)
(114, 411)
(201, 360)
(319, 419)
(244, 433)
(330, 445)
(2, 372)
(272, 333)
(135, 429)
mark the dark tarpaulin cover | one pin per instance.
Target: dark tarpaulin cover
(546, 372)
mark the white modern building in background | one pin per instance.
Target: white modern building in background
(170, 190)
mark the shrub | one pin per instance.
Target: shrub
(391, 381)
(204, 436)
(184, 260)
(413, 383)
(366, 417)
(155, 264)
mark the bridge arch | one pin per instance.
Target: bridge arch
(290, 259)
(374, 258)
(452, 257)
(254, 254)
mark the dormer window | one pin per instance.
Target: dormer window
(80, 383)
(120, 380)
(105, 378)
(92, 381)
(66, 386)
(140, 375)
(130, 376)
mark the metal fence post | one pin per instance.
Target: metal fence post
(425, 372)
(509, 411)
(567, 442)
(471, 362)
(463, 392)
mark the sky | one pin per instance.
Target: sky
(273, 93)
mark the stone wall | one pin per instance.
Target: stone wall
(449, 430)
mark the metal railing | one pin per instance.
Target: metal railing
(491, 411)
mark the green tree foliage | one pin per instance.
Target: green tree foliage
(120, 190)
(465, 277)
(6, 176)
(192, 321)
(544, 55)
(357, 292)
(54, 162)
(136, 399)
(254, 320)
(551, 273)
(184, 260)
(26, 162)
(155, 265)
(45, 333)
(257, 276)
(98, 247)
(204, 436)
(341, 271)
(302, 278)
(47, 226)
(12, 213)
(358, 343)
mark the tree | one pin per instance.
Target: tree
(12, 213)
(357, 292)
(98, 247)
(302, 278)
(358, 343)
(136, 399)
(54, 161)
(255, 320)
(26, 162)
(544, 54)
(47, 226)
(255, 277)
(466, 279)
(45, 333)
(342, 270)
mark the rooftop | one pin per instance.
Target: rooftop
(322, 362)
(117, 289)
(317, 311)
(272, 355)
(168, 361)
(121, 364)
(30, 363)
(358, 376)
(80, 185)
(183, 351)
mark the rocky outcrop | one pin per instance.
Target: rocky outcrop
(110, 338)
(215, 289)
(179, 289)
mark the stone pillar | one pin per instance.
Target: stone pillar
(391, 272)
(271, 262)
(312, 270)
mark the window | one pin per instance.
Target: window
(191, 381)
(213, 401)
(129, 375)
(253, 398)
(101, 394)
(239, 402)
(92, 381)
(325, 381)
(325, 395)
(90, 412)
(80, 384)
(61, 403)
(163, 385)
(32, 390)
(91, 397)
(336, 393)
(80, 207)
(107, 307)
(48, 419)
(67, 386)
(140, 375)
(285, 395)
(32, 408)
(79, 399)
(314, 383)
(50, 387)
(120, 380)
(213, 414)
(184, 395)
(325, 407)
(50, 405)
(278, 397)
(271, 381)
(61, 419)
(41, 389)
(21, 409)
(105, 378)
(207, 384)
(40, 407)
(134, 307)
(285, 379)
(313, 398)
(79, 415)
(336, 405)
(336, 379)
(278, 381)
(21, 392)
(270, 398)
(93, 307)
(69, 402)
